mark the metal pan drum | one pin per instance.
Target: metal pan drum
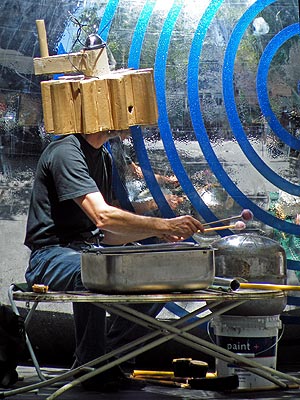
(158, 268)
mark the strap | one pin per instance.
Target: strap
(23, 287)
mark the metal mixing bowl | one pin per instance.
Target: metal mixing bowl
(254, 258)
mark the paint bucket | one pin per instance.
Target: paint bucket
(254, 337)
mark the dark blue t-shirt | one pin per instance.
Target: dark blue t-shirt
(68, 168)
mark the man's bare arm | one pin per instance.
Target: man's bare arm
(122, 227)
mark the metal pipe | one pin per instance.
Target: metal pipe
(226, 283)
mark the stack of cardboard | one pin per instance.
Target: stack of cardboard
(88, 98)
(112, 101)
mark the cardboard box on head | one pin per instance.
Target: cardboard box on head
(94, 99)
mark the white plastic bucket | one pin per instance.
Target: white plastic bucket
(252, 337)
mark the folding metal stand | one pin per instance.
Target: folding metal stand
(217, 302)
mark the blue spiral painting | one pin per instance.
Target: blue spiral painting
(193, 69)
(216, 34)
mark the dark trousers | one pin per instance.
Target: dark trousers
(59, 268)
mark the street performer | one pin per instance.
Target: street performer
(71, 209)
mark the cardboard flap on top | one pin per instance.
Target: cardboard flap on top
(112, 101)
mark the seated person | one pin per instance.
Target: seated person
(71, 210)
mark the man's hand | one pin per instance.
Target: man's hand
(181, 228)
(121, 226)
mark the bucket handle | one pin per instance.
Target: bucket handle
(210, 335)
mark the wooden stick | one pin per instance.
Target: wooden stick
(219, 228)
(137, 372)
(268, 286)
(40, 24)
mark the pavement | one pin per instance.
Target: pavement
(28, 375)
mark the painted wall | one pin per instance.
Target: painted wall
(227, 82)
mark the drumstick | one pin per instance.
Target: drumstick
(239, 225)
(246, 215)
(268, 286)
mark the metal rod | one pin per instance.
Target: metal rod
(246, 215)
(222, 220)
(141, 319)
(208, 347)
(136, 343)
(203, 345)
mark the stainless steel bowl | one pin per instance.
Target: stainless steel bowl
(256, 259)
(159, 268)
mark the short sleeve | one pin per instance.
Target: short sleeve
(70, 173)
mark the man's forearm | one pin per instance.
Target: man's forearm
(123, 226)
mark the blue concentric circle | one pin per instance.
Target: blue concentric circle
(195, 108)
(198, 122)
(232, 113)
(262, 90)
(160, 68)
(164, 125)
